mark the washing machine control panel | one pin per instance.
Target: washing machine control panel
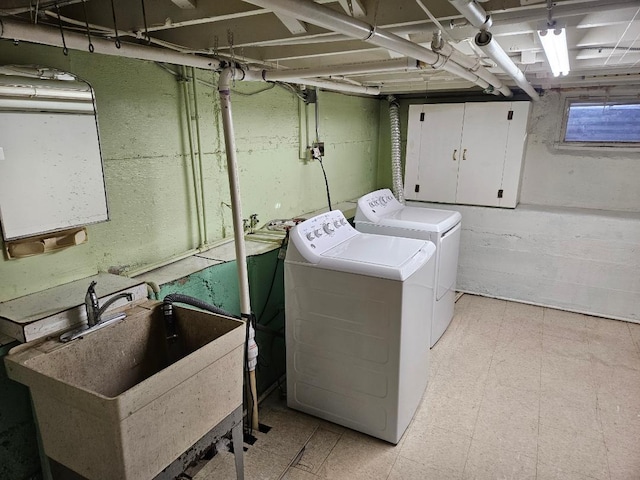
(321, 233)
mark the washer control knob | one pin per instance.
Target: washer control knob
(337, 223)
(310, 236)
(343, 221)
(328, 228)
(318, 232)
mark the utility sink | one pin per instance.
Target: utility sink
(112, 405)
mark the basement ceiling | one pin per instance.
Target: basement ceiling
(603, 36)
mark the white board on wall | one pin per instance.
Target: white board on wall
(51, 175)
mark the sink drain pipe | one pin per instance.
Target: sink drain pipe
(224, 90)
(396, 161)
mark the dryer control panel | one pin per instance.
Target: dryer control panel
(321, 233)
(375, 204)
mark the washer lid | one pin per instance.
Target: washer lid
(328, 241)
(394, 258)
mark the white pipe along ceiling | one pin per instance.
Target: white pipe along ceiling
(13, 30)
(330, 19)
(478, 17)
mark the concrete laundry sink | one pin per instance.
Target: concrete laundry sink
(111, 405)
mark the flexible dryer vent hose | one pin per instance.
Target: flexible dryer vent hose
(396, 161)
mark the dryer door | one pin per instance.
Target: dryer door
(448, 246)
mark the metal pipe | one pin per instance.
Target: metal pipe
(13, 30)
(224, 89)
(338, 87)
(484, 40)
(473, 12)
(194, 166)
(330, 19)
(258, 76)
(203, 203)
(471, 63)
(478, 17)
(353, 68)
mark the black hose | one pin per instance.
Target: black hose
(195, 302)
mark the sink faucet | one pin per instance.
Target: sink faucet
(94, 310)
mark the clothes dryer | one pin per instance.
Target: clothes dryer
(380, 213)
(356, 333)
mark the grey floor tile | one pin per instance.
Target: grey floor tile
(566, 347)
(546, 472)
(558, 323)
(508, 421)
(436, 448)
(259, 464)
(568, 377)
(457, 415)
(624, 464)
(609, 333)
(612, 355)
(573, 453)
(405, 469)
(317, 450)
(521, 370)
(357, 456)
(572, 415)
(290, 431)
(488, 462)
(295, 473)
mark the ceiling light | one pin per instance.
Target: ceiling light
(554, 42)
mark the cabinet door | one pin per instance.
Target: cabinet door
(484, 140)
(439, 152)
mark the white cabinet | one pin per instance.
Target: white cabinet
(466, 153)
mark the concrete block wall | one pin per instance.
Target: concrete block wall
(573, 242)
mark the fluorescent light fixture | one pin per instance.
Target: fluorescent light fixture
(554, 42)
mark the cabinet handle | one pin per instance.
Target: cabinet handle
(464, 154)
(454, 154)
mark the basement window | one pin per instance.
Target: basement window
(602, 122)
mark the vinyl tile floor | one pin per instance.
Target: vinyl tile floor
(515, 392)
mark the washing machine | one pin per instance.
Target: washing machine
(379, 212)
(356, 328)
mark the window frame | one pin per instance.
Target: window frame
(612, 100)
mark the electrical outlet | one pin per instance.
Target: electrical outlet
(317, 150)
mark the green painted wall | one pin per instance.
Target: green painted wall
(218, 285)
(148, 170)
(149, 184)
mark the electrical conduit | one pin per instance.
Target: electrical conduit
(224, 89)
